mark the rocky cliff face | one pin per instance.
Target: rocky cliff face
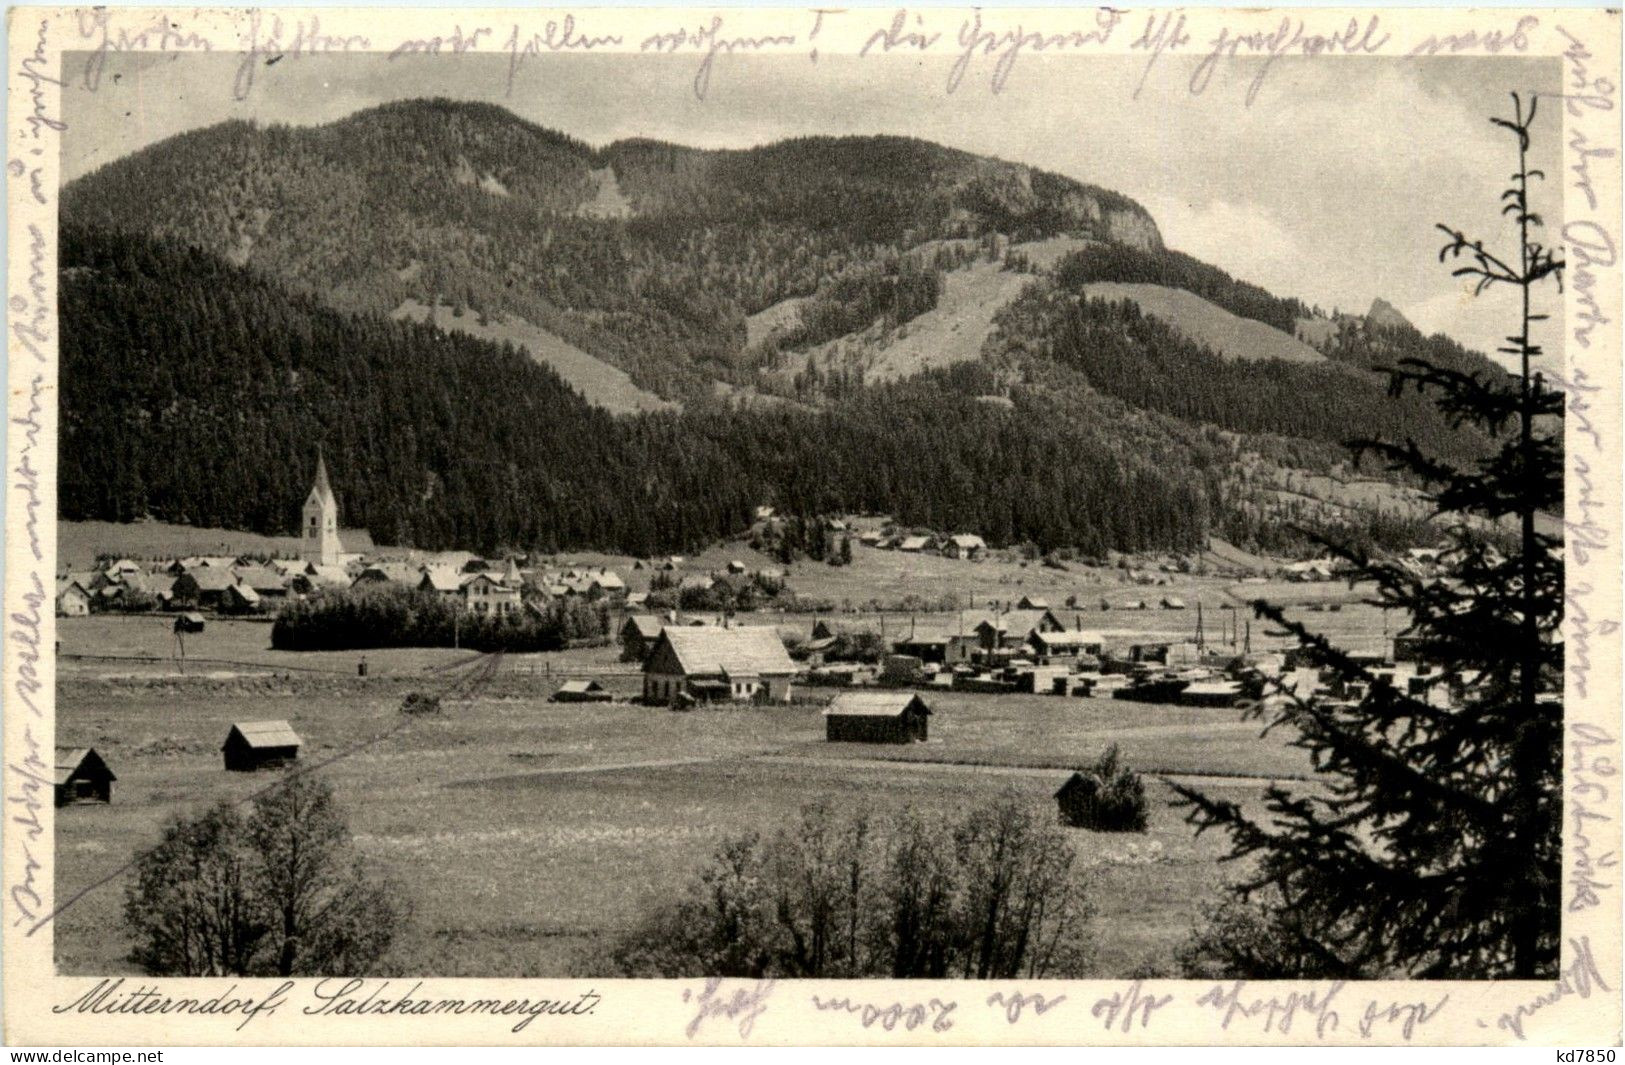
(1384, 313)
(1133, 227)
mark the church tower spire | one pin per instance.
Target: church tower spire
(319, 527)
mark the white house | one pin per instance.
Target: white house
(489, 597)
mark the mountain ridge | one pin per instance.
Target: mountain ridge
(722, 300)
(500, 214)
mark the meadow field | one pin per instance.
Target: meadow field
(525, 835)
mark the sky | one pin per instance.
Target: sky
(1327, 186)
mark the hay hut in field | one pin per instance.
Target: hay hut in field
(581, 691)
(252, 745)
(876, 717)
(82, 776)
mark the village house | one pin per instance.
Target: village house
(914, 543)
(638, 635)
(876, 717)
(1011, 629)
(82, 776)
(266, 581)
(489, 597)
(385, 573)
(252, 745)
(318, 578)
(445, 580)
(239, 599)
(1067, 644)
(964, 545)
(707, 664)
(456, 561)
(1033, 602)
(928, 647)
(72, 601)
(204, 586)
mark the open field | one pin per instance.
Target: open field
(78, 543)
(526, 835)
(142, 644)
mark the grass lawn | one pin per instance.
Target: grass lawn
(526, 834)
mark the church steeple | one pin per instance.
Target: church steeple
(319, 528)
(322, 487)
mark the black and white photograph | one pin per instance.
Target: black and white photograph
(953, 508)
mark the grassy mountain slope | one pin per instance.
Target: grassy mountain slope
(654, 273)
(1227, 335)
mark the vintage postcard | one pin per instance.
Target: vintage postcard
(770, 526)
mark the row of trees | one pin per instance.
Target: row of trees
(409, 617)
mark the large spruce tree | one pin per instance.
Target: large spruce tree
(1430, 846)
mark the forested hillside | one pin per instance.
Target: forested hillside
(198, 392)
(468, 203)
(1123, 352)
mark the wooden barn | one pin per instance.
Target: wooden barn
(581, 691)
(876, 717)
(708, 664)
(1076, 799)
(252, 745)
(82, 776)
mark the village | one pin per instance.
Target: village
(1028, 644)
(687, 658)
(1013, 673)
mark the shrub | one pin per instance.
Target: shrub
(865, 647)
(420, 703)
(1257, 939)
(992, 894)
(1110, 798)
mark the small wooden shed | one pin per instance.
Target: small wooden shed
(876, 717)
(581, 691)
(252, 745)
(82, 776)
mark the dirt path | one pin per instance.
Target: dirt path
(1050, 772)
(515, 779)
